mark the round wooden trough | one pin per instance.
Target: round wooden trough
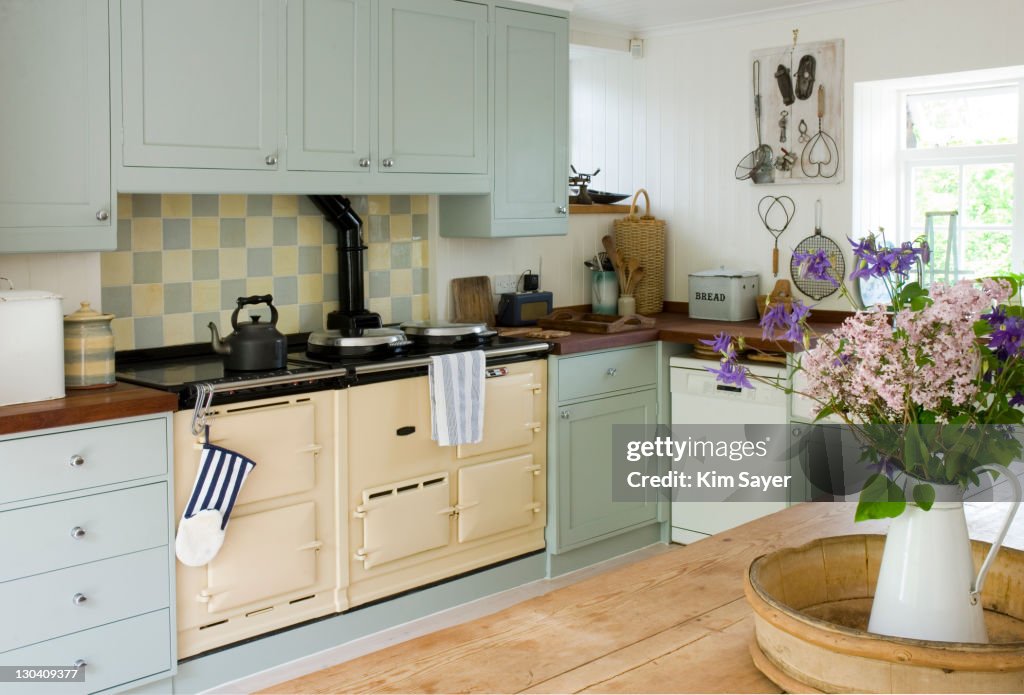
(811, 606)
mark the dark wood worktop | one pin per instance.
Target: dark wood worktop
(84, 406)
(678, 327)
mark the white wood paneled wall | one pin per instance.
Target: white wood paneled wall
(609, 120)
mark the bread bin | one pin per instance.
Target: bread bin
(724, 295)
(31, 347)
(88, 349)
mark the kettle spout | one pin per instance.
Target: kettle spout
(219, 346)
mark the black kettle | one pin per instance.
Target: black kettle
(254, 346)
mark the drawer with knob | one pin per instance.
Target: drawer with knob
(606, 371)
(111, 654)
(46, 464)
(51, 536)
(58, 603)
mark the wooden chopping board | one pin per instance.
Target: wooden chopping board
(472, 300)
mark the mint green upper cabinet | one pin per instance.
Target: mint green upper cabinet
(200, 83)
(329, 85)
(529, 191)
(432, 86)
(55, 192)
(530, 115)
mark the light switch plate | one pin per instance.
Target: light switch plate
(501, 284)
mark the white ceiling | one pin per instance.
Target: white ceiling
(644, 16)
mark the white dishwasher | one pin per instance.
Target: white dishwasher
(698, 399)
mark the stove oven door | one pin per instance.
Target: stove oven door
(404, 519)
(512, 404)
(497, 496)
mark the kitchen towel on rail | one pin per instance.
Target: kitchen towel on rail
(219, 479)
(457, 397)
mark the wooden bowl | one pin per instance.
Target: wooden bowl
(811, 606)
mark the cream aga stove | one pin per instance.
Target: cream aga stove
(350, 501)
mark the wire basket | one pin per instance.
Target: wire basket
(642, 237)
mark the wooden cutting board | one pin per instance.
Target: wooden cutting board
(472, 300)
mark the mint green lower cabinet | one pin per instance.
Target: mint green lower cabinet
(586, 512)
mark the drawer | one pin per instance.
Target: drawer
(39, 538)
(113, 654)
(607, 371)
(44, 464)
(45, 606)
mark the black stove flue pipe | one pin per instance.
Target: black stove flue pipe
(352, 313)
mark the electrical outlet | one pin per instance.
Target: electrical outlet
(500, 284)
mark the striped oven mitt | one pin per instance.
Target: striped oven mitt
(201, 529)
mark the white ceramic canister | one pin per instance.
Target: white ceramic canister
(88, 349)
(31, 347)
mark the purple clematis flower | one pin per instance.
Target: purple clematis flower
(773, 321)
(996, 317)
(886, 466)
(874, 261)
(721, 343)
(1017, 400)
(816, 266)
(790, 322)
(1006, 340)
(732, 373)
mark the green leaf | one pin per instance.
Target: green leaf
(824, 413)
(880, 499)
(924, 496)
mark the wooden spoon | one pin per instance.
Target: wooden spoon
(635, 278)
(615, 258)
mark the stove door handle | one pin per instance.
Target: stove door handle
(311, 448)
(405, 431)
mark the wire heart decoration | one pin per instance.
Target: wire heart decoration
(776, 212)
(780, 209)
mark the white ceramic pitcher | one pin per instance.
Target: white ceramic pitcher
(927, 588)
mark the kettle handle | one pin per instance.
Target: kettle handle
(267, 299)
(1015, 484)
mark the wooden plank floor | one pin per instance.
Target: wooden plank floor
(676, 622)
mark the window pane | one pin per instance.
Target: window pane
(967, 117)
(933, 188)
(986, 252)
(989, 191)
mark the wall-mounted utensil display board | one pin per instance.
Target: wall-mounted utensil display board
(801, 88)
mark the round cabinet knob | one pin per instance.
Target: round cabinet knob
(364, 163)
(80, 663)
(78, 599)
(76, 461)
(388, 163)
(612, 371)
(564, 414)
(271, 160)
(77, 532)
(103, 215)
(562, 210)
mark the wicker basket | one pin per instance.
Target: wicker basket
(643, 237)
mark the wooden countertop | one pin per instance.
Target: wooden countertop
(672, 623)
(86, 405)
(677, 327)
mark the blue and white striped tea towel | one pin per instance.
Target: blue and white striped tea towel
(201, 530)
(457, 397)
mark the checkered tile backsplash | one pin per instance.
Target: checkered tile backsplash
(183, 260)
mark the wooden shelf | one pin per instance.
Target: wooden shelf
(598, 209)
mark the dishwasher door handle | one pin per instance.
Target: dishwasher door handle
(730, 389)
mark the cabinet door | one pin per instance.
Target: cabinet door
(55, 113)
(199, 83)
(511, 417)
(329, 85)
(585, 507)
(405, 518)
(432, 86)
(530, 115)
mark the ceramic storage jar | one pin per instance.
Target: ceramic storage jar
(88, 349)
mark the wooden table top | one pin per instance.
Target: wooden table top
(676, 622)
(84, 406)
